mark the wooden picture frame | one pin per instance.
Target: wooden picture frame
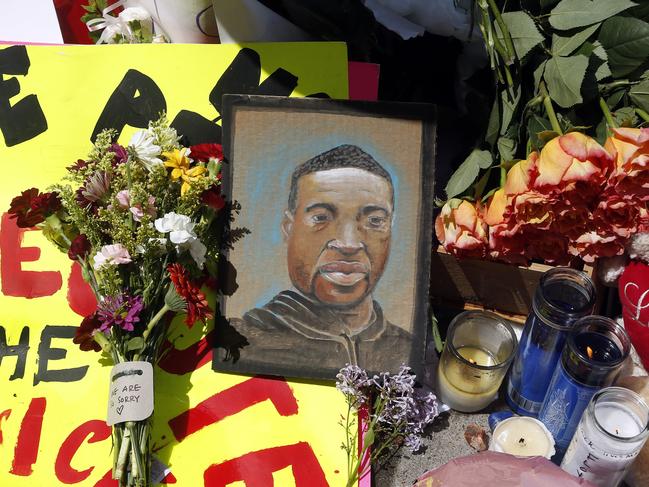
(338, 198)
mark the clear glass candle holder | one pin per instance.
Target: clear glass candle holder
(610, 435)
(479, 348)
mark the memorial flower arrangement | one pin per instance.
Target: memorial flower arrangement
(562, 169)
(388, 411)
(133, 25)
(141, 220)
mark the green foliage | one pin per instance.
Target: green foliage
(552, 63)
(468, 171)
(570, 14)
(639, 94)
(523, 31)
(626, 41)
(564, 76)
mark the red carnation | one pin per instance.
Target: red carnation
(205, 152)
(197, 307)
(85, 333)
(31, 207)
(79, 247)
(212, 198)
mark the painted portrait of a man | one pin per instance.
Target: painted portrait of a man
(336, 225)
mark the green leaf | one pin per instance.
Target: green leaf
(494, 123)
(535, 126)
(437, 337)
(368, 439)
(509, 108)
(547, 135)
(135, 344)
(523, 31)
(506, 148)
(639, 95)
(468, 171)
(570, 14)
(625, 117)
(626, 41)
(564, 46)
(538, 75)
(604, 70)
(564, 76)
(614, 99)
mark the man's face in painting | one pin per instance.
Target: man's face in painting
(339, 234)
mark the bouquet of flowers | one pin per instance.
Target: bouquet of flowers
(133, 25)
(387, 410)
(562, 168)
(141, 221)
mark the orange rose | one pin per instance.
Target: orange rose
(630, 177)
(570, 159)
(461, 230)
(592, 245)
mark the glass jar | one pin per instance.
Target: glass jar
(609, 437)
(479, 348)
(592, 359)
(562, 297)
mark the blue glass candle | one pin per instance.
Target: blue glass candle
(591, 360)
(562, 297)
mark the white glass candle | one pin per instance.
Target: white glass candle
(523, 437)
(479, 348)
(610, 435)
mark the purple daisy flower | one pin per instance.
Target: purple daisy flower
(121, 310)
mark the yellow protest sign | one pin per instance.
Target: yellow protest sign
(211, 429)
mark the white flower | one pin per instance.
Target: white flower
(181, 233)
(134, 13)
(142, 143)
(111, 255)
(179, 227)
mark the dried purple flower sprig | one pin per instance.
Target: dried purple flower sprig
(397, 413)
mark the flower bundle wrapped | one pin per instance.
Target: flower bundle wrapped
(141, 222)
(560, 170)
(389, 412)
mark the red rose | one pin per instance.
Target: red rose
(205, 152)
(79, 247)
(615, 214)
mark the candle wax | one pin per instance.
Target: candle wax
(618, 421)
(524, 437)
(599, 458)
(465, 388)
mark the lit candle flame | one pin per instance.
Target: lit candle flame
(472, 361)
(589, 351)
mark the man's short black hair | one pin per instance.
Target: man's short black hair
(339, 157)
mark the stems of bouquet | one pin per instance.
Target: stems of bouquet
(549, 109)
(610, 121)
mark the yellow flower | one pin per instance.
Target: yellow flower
(179, 163)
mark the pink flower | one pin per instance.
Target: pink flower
(111, 255)
(631, 175)
(124, 199)
(461, 230)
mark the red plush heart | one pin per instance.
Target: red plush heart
(633, 288)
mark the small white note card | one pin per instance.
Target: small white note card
(131, 392)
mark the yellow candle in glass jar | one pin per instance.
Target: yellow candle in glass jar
(479, 347)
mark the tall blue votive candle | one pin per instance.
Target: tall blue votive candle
(592, 359)
(562, 297)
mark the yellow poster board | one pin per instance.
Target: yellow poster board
(211, 429)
